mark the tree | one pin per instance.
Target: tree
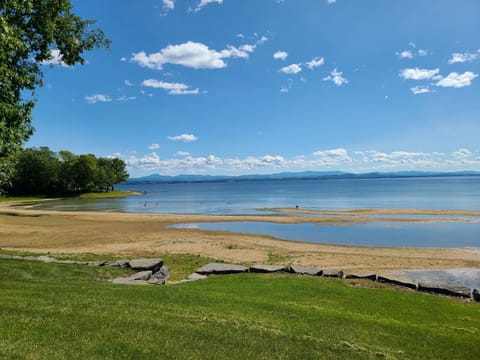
(36, 172)
(32, 32)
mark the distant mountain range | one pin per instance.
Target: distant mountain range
(306, 175)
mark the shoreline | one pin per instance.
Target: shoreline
(146, 234)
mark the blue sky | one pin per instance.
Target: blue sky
(265, 86)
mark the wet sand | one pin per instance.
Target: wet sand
(133, 234)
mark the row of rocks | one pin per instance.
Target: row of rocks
(153, 272)
(138, 264)
(443, 289)
(148, 271)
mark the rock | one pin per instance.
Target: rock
(164, 272)
(160, 277)
(128, 281)
(124, 263)
(268, 268)
(29, 258)
(372, 277)
(450, 290)
(46, 259)
(398, 282)
(139, 278)
(195, 277)
(142, 275)
(4, 256)
(189, 278)
(333, 273)
(96, 263)
(476, 295)
(305, 270)
(221, 268)
(146, 264)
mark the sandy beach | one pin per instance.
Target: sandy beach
(133, 234)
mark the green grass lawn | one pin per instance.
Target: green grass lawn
(56, 311)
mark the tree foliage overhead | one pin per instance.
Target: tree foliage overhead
(42, 171)
(29, 31)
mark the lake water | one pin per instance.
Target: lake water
(243, 197)
(384, 234)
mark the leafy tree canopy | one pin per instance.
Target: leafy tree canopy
(42, 171)
(31, 31)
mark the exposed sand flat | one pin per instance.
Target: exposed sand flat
(133, 234)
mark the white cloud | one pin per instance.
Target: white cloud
(123, 59)
(92, 99)
(262, 40)
(461, 58)
(332, 157)
(462, 153)
(171, 88)
(204, 3)
(336, 77)
(56, 58)
(284, 90)
(316, 62)
(330, 2)
(291, 69)
(128, 83)
(406, 54)
(193, 55)
(280, 55)
(457, 80)
(418, 74)
(420, 90)
(168, 5)
(126, 98)
(154, 147)
(363, 161)
(182, 153)
(422, 52)
(184, 138)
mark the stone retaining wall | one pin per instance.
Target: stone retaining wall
(153, 272)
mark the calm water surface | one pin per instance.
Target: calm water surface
(384, 234)
(243, 197)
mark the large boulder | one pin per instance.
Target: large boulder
(268, 268)
(221, 268)
(146, 264)
(444, 289)
(142, 275)
(160, 277)
(306, 270)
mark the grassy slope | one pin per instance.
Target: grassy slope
(65, 311)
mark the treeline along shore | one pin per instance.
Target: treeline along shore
(43, 171)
